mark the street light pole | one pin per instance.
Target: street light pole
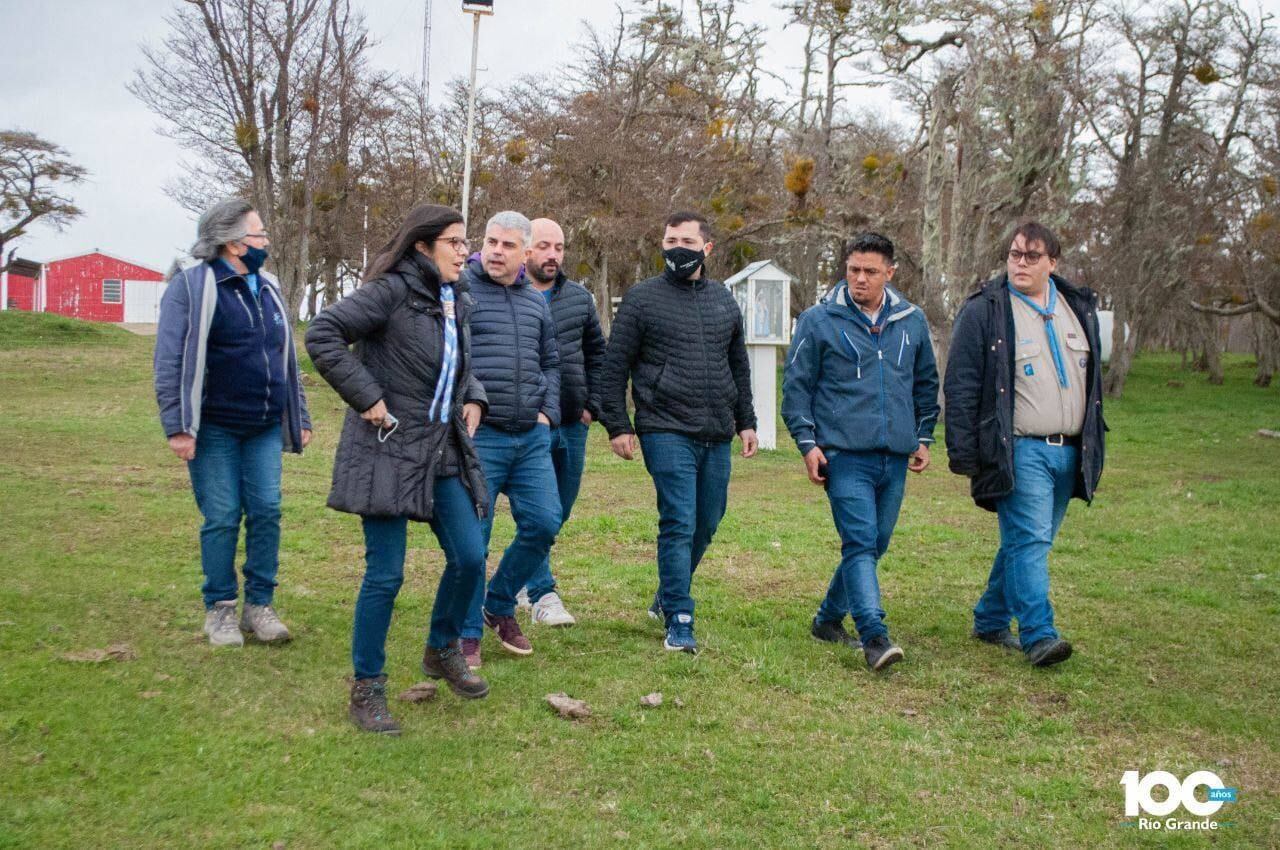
(471, 99)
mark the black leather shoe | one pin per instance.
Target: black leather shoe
(833, 633)
(1000, 637)
(1047, 652)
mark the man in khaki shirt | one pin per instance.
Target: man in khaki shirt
(1024, 423)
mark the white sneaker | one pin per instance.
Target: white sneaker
(261, 621)
(220, 625)
(522, 599)
(550, 611)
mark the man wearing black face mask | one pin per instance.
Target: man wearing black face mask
(679, 339)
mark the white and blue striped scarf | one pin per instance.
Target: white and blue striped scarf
(443, 399)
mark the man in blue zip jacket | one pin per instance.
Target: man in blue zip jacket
(515, 357)
(860, 398)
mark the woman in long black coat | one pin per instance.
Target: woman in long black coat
(406, 451)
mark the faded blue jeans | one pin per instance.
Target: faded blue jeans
(234, 476)
(457, 529)
(518, 464)
(568, 454)
(1044, 477)
(691, 478)
(865, 490)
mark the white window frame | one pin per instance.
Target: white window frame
(119, 299)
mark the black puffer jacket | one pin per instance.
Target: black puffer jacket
(979, 392)
(514, 352)
(395, 323)
(681, 344)
(582, 349)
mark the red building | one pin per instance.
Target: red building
(95, 286)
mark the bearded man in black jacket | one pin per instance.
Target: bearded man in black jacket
(679, 339)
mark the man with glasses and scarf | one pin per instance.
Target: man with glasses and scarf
(678, 338)
(1023, 392)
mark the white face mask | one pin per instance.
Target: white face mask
(389, 429)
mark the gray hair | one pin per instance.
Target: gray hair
(512, 220)
(221, 223)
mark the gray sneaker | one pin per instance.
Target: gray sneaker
(550, 611)
(522, 599)
(220, 625)
(261, 621)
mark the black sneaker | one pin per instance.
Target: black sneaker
(451, 665)
(655, 610)
(1000, 637)
(833, 633)
(881, 652)
(1047, 652)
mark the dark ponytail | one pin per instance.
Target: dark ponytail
(424, 223)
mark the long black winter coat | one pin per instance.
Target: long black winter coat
(514, 352)
(979, 392)
(395, 322)
(681, 343)
(582, 349)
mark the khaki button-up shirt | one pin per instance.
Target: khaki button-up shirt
(1041, 405)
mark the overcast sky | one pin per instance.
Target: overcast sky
(66, 63)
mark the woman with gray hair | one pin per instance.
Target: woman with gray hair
(231, 401)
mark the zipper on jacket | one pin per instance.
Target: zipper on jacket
(266, 359)
(515, 326)
(702, 334)
(247, 311)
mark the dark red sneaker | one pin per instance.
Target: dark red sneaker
(471, 652)
(509, 634)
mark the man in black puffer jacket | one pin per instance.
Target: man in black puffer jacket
(1024, 424)
(679, 339)
(515, 357)
(582, 348)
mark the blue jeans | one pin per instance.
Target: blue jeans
(457, 528)
(865, 490)
(1043, 479)
(236, 476)
(518, 464)
(568, 454)
(692, 480)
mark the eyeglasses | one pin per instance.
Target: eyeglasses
(262, 235)
(1032, 257)
(457, 243)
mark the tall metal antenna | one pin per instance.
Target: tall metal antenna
(426, 51)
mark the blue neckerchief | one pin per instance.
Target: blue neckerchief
(1046, 313)
(443, 399)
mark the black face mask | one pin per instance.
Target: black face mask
(683, 263)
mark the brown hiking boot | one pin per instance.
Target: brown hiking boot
(509, 634)
(451, 665)
(471, 652)
(368, 708)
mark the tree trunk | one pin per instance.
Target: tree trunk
(604, 302)
(1121, 353)
(1266, 345)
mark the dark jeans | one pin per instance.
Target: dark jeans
(692, 481)
(518, 464)
(865, 490)
(1043, 479)
(457, 528)
(568, 454)
(236, 476)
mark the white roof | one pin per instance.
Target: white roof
(116, 257)
(754, 268)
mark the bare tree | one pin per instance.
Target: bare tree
(34, 177)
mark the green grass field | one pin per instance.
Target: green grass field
(1169, 587)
